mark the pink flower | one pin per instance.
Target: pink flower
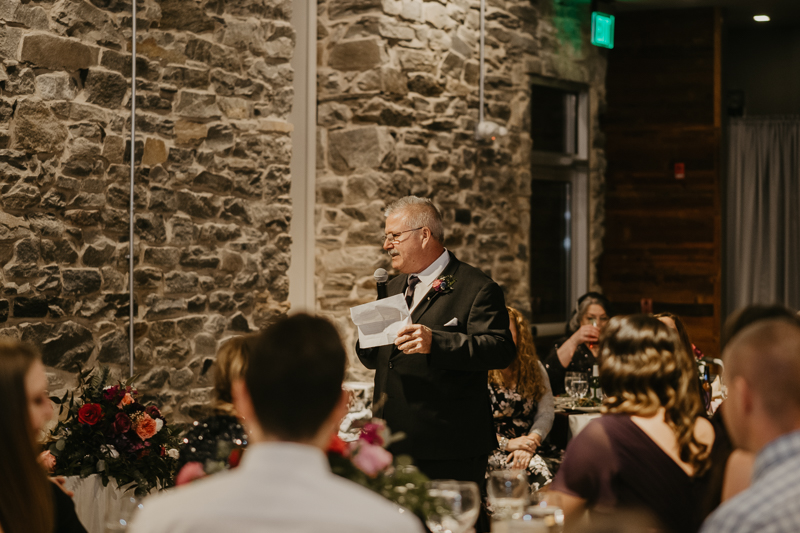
(371, 459)
(190, 471)
(48, 461)
(372, 433)
(145, 426)
(126, 400)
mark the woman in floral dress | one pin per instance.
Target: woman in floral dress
(522, 404)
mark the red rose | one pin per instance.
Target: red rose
(153, 411)
(90, 414)
(338, 446)
(122, 423)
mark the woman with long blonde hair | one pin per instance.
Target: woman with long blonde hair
(650, 449)
(522, 405)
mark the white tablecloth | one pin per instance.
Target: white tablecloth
(579, 421)
(94, 503)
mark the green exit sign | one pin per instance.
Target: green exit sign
(602, 30)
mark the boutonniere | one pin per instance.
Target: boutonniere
(443, 284)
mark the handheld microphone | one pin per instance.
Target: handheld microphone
(381, 277)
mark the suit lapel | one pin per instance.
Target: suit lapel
(432, 295)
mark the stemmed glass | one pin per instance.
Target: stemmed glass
(454, 505)
(577, 385)
(508, 492)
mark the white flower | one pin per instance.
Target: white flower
(173, 453)
(159, 424)
(109, 450)
(101, 465)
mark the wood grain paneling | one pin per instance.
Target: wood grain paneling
(662, 238)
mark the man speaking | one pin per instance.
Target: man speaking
(431, 384)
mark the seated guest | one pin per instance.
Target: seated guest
(29, 503)
(522, 405)
(762, 412)
(216, 442)
(675, 322)
(650, 448)
(577, 351)
(284, 482)
(750, 315)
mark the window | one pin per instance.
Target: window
(559, 259)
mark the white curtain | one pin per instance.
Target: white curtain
(763, 212)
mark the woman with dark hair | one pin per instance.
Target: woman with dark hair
(29, 502)
(577, 352)
(522, 405)
(650, 449)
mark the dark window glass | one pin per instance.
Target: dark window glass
(554, 122)
(550, 250)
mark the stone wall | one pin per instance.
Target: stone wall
(214, 89)
(398, 104)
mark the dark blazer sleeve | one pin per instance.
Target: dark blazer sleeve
(487, 342)
(367, 356)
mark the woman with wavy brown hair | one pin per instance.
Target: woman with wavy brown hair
(29, 502)
(650, 449)
(522, 406)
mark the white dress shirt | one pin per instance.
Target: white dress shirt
(278, 487)
(428, 276)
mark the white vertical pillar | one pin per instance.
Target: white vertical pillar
(302, 294)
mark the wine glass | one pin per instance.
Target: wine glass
(508, 492)
(454, 505)
(581, 384)
(569, 380)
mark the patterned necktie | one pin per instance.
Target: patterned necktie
(412, 283)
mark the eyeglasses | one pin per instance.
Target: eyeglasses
(394, 237)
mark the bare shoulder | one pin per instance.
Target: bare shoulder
(704, 431)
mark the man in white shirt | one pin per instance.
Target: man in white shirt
(291, 402)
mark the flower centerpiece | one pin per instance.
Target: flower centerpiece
(106, 431)
(367, 462)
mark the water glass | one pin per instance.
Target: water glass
(508, 492)
(454, 506)
(546, 508)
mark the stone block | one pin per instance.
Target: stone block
(425, 84)
(180, 76)
(436, 15)
(453, 65)
(20, 81)
(114, 347)
(391, 29)
(10, 37)
(416, 60)
(199, 205)
(191, 133)
(235, 108)
(114, 149)
(199, 257)
(197, 105)
(122, 63)
(155, 152)
(105, 88)
(360, 147)
(412, 10)
(179, 282)
(36, 129)
(164, 257)
(184, 15)
(344, 8)
(213, 54)
(63, 345)
(213, 182)
(80, 281)
(57, 53)
(362, 54)
(99, 253)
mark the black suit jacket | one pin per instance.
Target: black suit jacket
(440, 400)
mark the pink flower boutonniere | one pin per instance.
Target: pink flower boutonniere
(444, 284)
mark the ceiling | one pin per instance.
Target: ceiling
(737, 13)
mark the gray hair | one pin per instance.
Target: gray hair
(577, 316)
(420, 212)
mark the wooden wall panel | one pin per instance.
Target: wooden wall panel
(662, 239)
